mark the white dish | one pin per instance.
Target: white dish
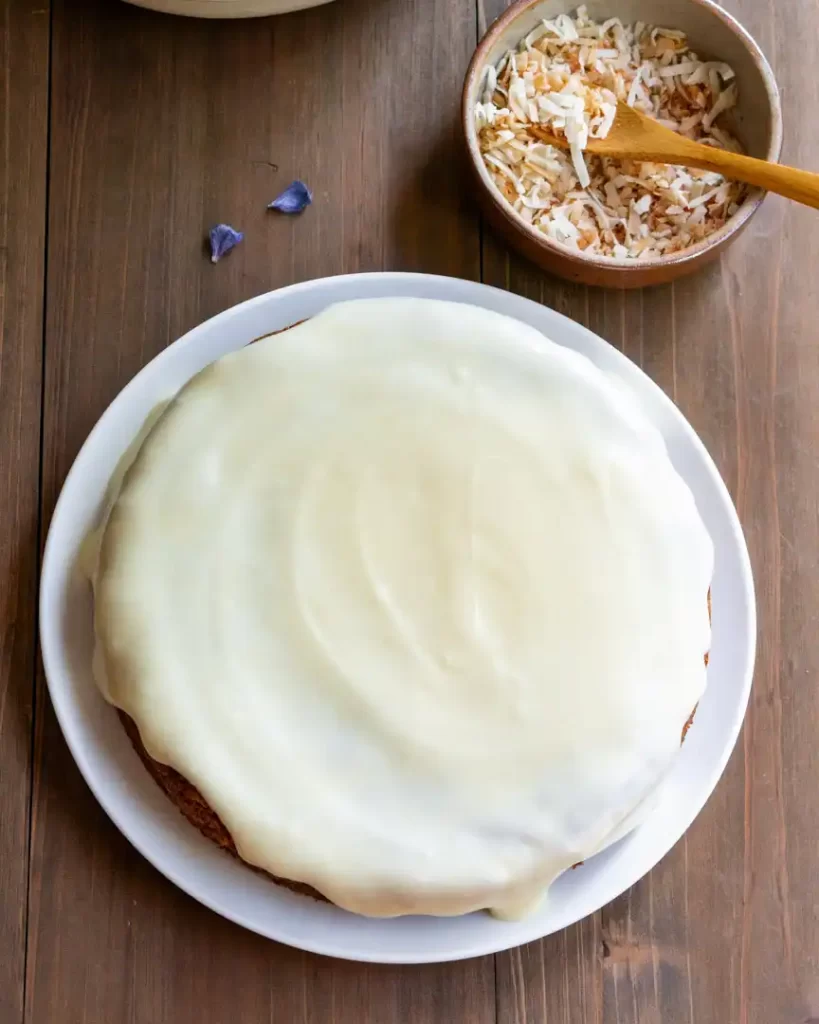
(227, 8)
(142, 812)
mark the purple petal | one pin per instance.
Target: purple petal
(294, 199)
(222, 239)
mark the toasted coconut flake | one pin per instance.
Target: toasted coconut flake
(567, 75)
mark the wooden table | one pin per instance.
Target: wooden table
(125, 135)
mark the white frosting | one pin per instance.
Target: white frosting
(415, 598)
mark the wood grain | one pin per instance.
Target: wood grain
(162, 127)
(23, 146)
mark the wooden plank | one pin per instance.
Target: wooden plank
(24, 31)
(726, 928)
(163, 127)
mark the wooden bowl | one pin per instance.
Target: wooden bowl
(757, 122)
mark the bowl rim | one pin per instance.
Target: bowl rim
(730, 228)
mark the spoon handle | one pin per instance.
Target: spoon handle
(803, 186)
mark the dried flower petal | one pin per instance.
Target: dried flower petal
(295, 198)
(222, 239)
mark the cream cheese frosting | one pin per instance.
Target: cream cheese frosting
(415, 598)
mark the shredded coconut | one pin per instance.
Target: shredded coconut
(567, 75)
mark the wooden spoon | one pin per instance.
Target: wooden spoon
(637, 137)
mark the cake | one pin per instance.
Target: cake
(405, 606)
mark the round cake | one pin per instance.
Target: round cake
(407, 605)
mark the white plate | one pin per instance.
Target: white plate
(137, 806)
(227, 8)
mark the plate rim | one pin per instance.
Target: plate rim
(49, 640)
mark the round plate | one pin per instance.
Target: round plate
(138, 807)
(227, 8)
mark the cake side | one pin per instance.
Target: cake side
(195, 809)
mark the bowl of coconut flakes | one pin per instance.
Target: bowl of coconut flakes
(599, 220)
